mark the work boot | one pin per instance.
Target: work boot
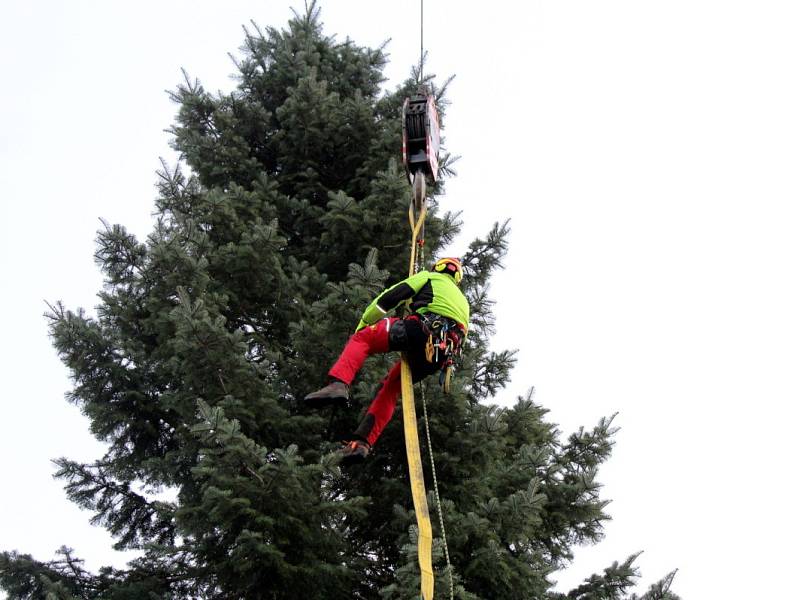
(336, 391)
(354, 452)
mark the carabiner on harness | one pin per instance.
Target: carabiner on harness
(441, 347)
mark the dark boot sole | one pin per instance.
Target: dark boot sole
(326, 401)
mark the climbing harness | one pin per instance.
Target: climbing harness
(443, 345)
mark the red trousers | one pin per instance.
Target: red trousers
(409, 336)
(373, 339)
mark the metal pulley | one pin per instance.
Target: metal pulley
(420, 141)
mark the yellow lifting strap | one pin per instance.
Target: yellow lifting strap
(416, 217)
(425, 538)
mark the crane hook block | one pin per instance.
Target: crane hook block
(421, 135)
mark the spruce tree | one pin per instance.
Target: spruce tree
(287, 214)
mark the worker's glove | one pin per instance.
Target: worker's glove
(372, 315)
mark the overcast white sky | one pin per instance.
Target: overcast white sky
(647, 155)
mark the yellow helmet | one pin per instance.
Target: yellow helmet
(451, 266)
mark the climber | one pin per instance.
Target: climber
(435, 328)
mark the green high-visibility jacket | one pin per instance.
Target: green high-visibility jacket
(428, 292)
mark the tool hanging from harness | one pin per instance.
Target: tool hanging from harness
(443, 345)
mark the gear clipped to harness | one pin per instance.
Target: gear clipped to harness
(443, 347)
